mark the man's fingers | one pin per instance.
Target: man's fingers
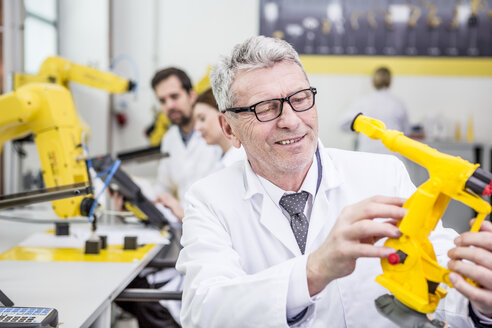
(476, 255)
(477, 273)
(486, 226)
(371, 229)
(482, 239)
(479, 297)
(375, 207)
(365, 250)
(397, 201)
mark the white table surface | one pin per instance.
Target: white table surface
(82, 292)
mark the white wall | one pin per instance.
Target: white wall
(160, 33)
(454, 98)
(186, 34)
(192, 34)
(84, 39)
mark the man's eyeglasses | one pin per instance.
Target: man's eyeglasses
(270, 109)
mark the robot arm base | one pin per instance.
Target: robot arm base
(400, 314)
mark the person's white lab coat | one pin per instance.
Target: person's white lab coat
(230, 157)
(239, 250)
(186, 163)
(176, 283)
(381, 105)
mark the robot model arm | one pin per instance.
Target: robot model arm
(48, 112)
(61, 71)
(412, 274)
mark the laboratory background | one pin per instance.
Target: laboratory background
(439, 53)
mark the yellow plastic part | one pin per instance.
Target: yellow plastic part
(48, 111)
(136, 211)
(408, 281)
(114, 253)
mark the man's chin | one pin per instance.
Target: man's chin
(176, 121)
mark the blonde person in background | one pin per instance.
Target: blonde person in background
(382, 105)
(207, 122)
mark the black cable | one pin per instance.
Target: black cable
(38, 221)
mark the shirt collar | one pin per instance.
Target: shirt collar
(331, 177)
(186, 138)
(309, 184)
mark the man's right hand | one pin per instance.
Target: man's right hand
(353, 236)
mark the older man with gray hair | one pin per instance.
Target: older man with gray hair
(291, 236)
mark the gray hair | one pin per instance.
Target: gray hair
(254, 53)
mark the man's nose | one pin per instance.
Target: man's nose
(170, 104)
(289, 118)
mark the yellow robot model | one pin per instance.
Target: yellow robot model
(47, 111)
(412, 273)
(42, 105)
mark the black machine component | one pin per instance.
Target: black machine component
(142, 154)
(134, 199)
(46, 194)
(480, 182)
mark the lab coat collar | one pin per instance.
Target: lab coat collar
(274, 220)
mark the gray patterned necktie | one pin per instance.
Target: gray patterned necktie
(294, 205)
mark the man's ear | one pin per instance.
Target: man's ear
(228, 130)
(193, 96)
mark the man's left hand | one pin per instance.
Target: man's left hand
(472, 258)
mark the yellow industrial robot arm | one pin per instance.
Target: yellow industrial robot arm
(412, 274)
(48, 112)
(61, 71)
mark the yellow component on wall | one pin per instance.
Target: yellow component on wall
(48, 111)
(440, 66)
(161, 125)
(470, 135)
(204, 84)
(412, 275)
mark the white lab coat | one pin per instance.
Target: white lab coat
(230, 157)
(176, 283)
(185, 164)
(381, 105)
(239, 250)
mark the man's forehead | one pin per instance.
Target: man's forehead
(169, 86)
(283, 77)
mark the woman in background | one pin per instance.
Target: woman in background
(206, 112)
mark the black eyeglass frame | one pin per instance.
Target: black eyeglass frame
(282, 100)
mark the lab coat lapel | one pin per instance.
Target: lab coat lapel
(270, 216)
(275, 221)
(323, 216)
